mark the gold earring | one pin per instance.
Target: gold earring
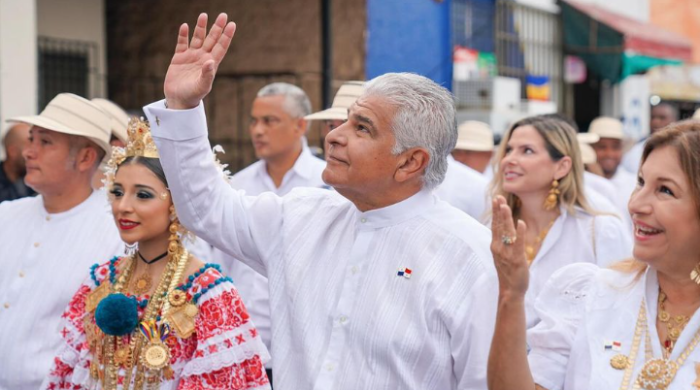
(174, 240)
(553, 198)
(695, 274)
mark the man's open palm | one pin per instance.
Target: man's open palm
(193, 67)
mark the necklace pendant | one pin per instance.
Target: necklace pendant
(619, 361)
(657, 374)
(122, 356)
(143, 284)
(155, 356)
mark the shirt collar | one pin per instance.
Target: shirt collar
(302, 166)
(397, 212)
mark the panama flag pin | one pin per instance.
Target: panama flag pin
(405, 272)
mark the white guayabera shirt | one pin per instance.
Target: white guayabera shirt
(344, 317)
(44, 258)
(465, 189)
(585, 310)
(255, 180)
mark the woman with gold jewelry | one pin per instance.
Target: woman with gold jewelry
(634, 325)
(541, 178)
(158, 318)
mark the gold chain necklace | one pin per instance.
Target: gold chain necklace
(657, 373)
(532, 250)
(674, 324)
(115, 355)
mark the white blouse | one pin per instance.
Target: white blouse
(584, 310)
(579, 238)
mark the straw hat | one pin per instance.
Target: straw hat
(346, 96)
(72, 114)
(588, 138)
(606, 127)
(588, 155)
(474, 135)
(119, 118)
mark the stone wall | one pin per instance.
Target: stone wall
(276, 40)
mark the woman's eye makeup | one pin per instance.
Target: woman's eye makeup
(144, 195)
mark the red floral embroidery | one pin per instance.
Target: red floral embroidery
(217, 314)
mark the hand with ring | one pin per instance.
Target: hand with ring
(509, 251)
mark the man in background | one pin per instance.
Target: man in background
(662, 115)
(13, 169)
(277, 130)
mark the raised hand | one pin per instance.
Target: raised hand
(508, 248)
(194, 64)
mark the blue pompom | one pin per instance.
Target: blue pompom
(117, 315)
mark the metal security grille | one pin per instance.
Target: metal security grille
(66, 66)
(528, 41)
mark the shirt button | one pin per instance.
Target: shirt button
(7, 305)
(363, 220)
(36, 245)
(354, 269)
(21, 274)
(330, 367)
(343, 319)
(48, 217)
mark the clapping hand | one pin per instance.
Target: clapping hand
(193, 67)
(508, 248)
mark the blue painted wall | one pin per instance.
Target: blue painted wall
(409, 36)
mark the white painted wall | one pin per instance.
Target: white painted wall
(18, 61)
(79, 20)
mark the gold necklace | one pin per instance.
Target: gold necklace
(142, 284)
(674, 324)
(531, 250)
(140, 352)
(657, 373)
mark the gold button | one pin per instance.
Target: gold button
(48, 217)
(36, 245)
(7, 305)
(21, 274)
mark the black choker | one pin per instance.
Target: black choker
(154, 260)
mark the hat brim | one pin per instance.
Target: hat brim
(473, 146)
(50, 124)
(329, 114)
(588, 138)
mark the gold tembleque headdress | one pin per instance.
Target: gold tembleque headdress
(139, 140)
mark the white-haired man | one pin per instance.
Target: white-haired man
(376, 286)
(277, 128)
(46, 240)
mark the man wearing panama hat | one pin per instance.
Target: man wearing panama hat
(44, 239)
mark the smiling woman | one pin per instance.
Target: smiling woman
(541, 177)
(635, 324)
(159, 315)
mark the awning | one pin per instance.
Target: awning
(615, 46)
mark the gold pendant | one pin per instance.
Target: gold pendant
(657, 374)
(191, 310)
(143, 284)
(181, 318)
(619, 362)
(122, 356)
(155, 356)
(177, 298)
(93, 299)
